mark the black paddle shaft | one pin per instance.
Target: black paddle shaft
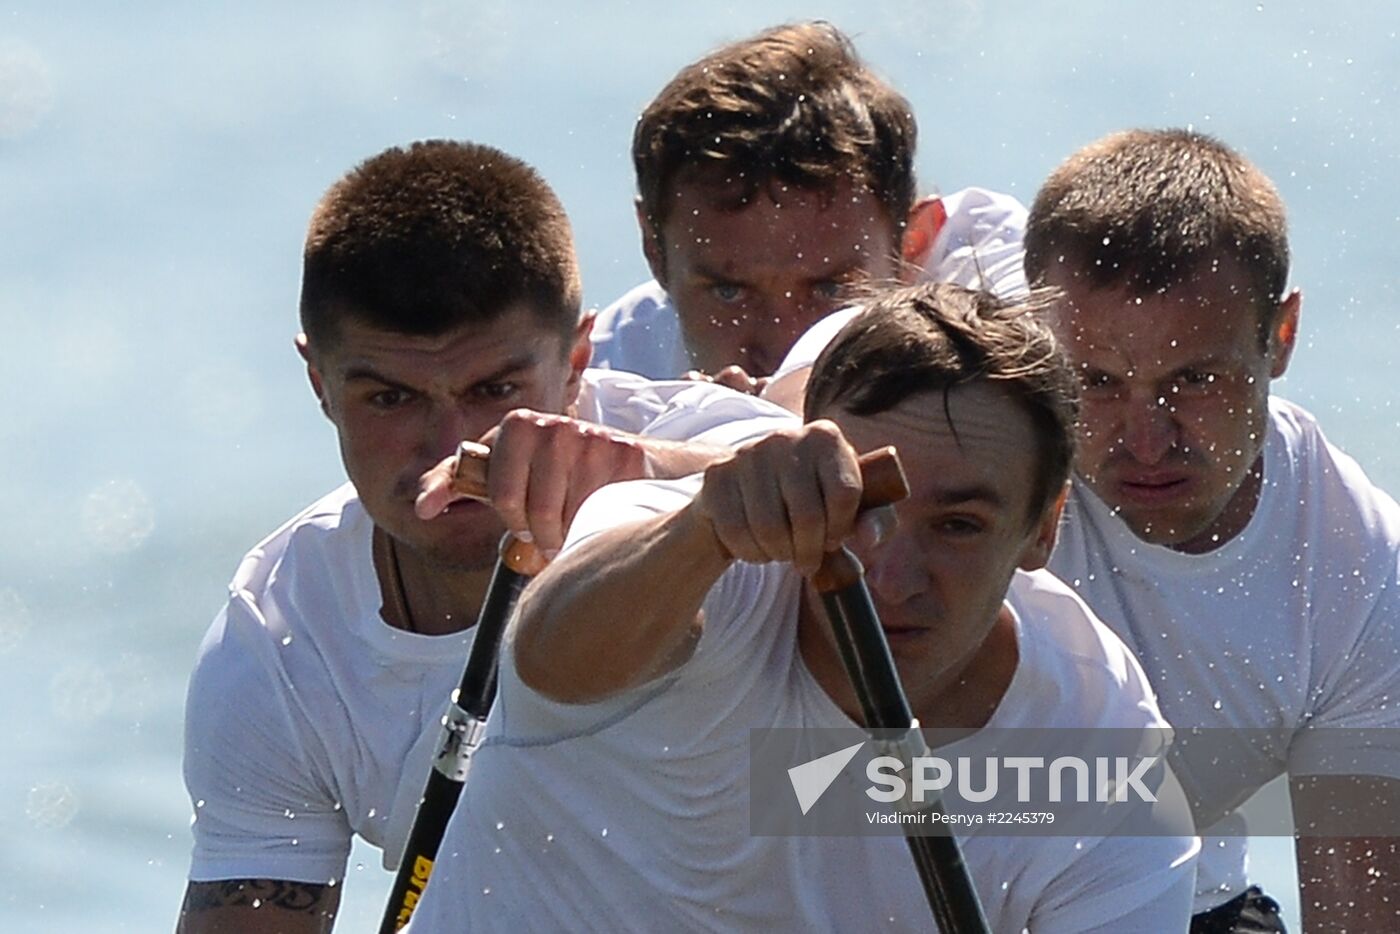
(866, 655)
(461, 731)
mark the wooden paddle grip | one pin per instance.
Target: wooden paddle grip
(881, 476)
(883, 483)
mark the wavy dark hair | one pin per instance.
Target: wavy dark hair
(791, 106)
(937, 336)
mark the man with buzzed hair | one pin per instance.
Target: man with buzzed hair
(772, 174)
(1250, 564)
(440, 302)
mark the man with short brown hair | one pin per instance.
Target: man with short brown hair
(773, 174)
(1251, 565)
(440, 302)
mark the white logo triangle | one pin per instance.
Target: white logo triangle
(810, 780)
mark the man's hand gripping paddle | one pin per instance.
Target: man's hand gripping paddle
(863, 648)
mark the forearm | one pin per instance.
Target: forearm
(614, 612)
(1349, 883)
(258, 906)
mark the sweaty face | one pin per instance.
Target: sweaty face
(939, 581)
(746, 283)
(1175, 403)
(400, 404)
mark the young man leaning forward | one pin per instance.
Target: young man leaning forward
(613, 789)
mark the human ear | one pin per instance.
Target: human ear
(926, 219)
(1037, 552)
(580, 355)
(1283, 334)
(313, 374)
(652, 247)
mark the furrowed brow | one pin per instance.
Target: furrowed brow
(364, 372)
(959, 496)
(508, 369)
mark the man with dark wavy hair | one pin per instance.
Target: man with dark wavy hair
(614, 792)
(772, 174)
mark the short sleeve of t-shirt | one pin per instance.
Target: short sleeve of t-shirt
(1355, 727)
(678, 410)
(639, 333)
(259, 813)
(1127, 883)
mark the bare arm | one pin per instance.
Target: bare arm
(624, 606)
(595, 623)
(1347, 881)
(258, 906)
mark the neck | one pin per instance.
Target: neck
(964, 697)
(422, 596)
(1233, 518)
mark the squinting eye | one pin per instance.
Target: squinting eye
(960, 526)
(829, 290)
(1094, 379)
(495, 391)
(726, 292)
(389, 398)
(1197, 378)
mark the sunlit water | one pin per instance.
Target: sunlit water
(158, 163)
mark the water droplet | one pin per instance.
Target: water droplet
(15, 620)
(117, 517)
(24, 73)
(51, 806)
(80, 691)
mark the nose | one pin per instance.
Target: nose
(894, 570)
(1150, 428)
(776, 326)
(451, 425)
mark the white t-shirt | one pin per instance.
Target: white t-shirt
(1290, 627)
(979, 245)
(633, 813)
(309, 718)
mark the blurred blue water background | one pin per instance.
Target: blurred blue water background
(158, 162)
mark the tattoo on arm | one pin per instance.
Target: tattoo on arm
(306, 897)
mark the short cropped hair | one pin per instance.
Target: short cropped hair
(1148, 210)
(424, 239)
(936, 336)
(792, 106)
